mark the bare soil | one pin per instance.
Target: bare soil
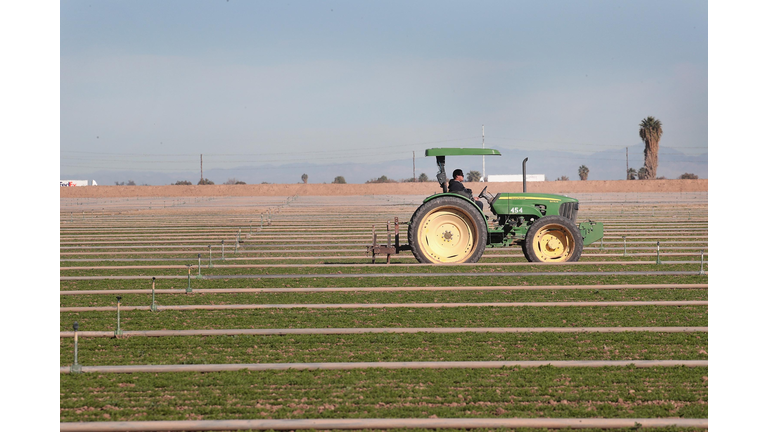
(428, 188)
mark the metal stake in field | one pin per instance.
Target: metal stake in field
(153, 306)
(222, 249)
(199, 276)
(658, 253)
(75, 368)
(701, 272)
(118, 332)
(189, 278)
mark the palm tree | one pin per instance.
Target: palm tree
(583, 172)
(631, 174)
(650, 132)
(304, 178)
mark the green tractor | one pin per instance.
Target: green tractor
(451, 228)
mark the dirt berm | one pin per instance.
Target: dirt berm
(427, 188)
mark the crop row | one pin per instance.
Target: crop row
(415, 281)
(624, 392)
(201, 297)
(484, 316)
(402, 270)
(649, 258)
(385, 347)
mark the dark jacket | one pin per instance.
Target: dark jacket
(456, 186)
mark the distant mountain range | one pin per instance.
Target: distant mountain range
(603, 165)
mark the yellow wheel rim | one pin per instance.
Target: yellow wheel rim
(447, 236)
(553, 243)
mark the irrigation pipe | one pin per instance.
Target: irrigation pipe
(202, 231)
(294, 242)
(205, 248)
(398, 265)
(428, 423)
(385, 365)
(258, 239)
(392, 330)
(386, 275)
(160, 246)
(379, 289)
(390, 305)
(695, 252)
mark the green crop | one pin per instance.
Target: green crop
(613, 392)
(394, 269)
(385, 347)
(485, 316)
(202, 297)
(364, 281)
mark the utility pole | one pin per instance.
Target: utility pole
(627, 162)
(414, 166)
(201, 169)
(483, 177)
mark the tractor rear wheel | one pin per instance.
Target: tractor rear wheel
(553, 239)
(447, 230)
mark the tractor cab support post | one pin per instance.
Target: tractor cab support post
(442, 178)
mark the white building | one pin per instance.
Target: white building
(68, 183)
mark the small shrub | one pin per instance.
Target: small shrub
(474, 176)
(382, 179)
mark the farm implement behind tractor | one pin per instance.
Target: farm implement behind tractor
(449, 227)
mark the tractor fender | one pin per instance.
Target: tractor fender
(464, 197)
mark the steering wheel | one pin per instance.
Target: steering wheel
(483, 194)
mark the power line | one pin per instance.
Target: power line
(355, 149)
(580, 143)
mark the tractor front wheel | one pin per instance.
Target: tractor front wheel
(553, 239)
(447, 230)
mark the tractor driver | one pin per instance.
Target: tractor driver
(454, 185)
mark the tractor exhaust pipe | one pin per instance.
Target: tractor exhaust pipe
(525, 188)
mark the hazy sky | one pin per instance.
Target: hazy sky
(149, 85)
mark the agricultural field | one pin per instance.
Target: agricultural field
(226, 313)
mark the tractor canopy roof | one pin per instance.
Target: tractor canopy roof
(461, 152)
